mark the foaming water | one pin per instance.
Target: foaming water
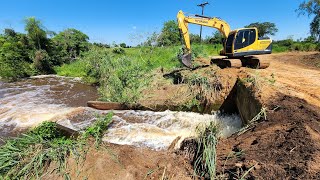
(28, 102)
(155, 130)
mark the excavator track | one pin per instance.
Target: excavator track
(250, 61)
(227, 63)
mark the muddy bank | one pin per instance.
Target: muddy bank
(119, 162)
(202, 90)
(286, 145)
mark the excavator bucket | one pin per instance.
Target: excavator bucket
(186, 60)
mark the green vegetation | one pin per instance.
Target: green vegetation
(31, 154)
(122, 76)
(98, 128)
(23, 55)
(265, 28)
(205, 163)
(312, 8)
(308, 44)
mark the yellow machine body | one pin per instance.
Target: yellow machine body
(237, 44)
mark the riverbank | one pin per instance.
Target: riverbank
(285, 144)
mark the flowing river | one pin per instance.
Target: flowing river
(29, 102)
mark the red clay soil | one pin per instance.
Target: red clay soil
(287, 144)
(122, 162)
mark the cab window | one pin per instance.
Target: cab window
(245, 38)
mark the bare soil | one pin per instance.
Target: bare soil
(285, 146)
(119, 162)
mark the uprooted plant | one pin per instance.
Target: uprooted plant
(259, 116)
(31, 154)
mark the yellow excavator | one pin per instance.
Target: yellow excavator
(239, 46)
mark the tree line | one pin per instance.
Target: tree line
(39, 50)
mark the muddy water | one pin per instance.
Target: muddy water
(29, 102)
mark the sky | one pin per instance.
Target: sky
(130, 21)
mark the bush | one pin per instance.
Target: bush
(198, 51)
(318, 47)
(277, 48)
(121, 79)
(28, 156)
(118, 50)
(310, 46)
(13, 61)
(42, 62)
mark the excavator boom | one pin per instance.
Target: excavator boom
(183, 22)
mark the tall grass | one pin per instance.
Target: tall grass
(30, 155)
(123, 76)
(205, 164)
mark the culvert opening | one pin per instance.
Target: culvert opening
(241, 100)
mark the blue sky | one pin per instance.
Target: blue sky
(131, 20)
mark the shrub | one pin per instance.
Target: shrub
(118, 50)
(296, 47)
(277, 48)
(28, 156)
(42, 62)
(310, 46)
(318, 47)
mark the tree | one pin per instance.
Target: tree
(169, 34)
(195, 38)
(312, 8)
(216, 39)
(9, 32)
(36, 33)
(70, 43)
(123, 45)
(152, 40)
(13, 60)
(265, 28)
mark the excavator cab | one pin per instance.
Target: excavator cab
(245, 42)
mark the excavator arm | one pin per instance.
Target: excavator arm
(183, 22)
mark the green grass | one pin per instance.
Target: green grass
(30, 155)
(205, 164)
(290, 45)
(97, 130)
(123, 76)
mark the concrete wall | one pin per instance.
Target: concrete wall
(241, 100)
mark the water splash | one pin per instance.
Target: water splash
(155, 130)
(28, 102)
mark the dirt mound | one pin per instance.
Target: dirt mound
(286, 145)
(188, 89)
(304, 59)
(127, 162)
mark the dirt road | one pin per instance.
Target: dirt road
(295, 75)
